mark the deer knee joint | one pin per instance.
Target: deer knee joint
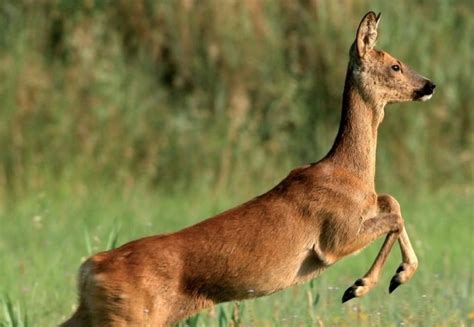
(388, 203)
(399, 224)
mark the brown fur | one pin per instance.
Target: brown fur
(317, 215)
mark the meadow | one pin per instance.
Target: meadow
(122, 119)
(45, 237)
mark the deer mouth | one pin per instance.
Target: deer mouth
(426, 92)
(422, 96)
(425, 97)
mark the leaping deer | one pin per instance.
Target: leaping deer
(317, 215)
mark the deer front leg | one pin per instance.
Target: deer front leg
(387, 204)
(407, 268)
(384, 223)
(409, 264)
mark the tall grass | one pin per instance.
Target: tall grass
(12, 313)
(183, 92)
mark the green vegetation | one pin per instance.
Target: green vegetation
(178, 93)
(120, 119)
(42, 244)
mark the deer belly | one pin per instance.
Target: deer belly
(255, 279)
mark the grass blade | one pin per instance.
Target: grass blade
(113, 238)
(12, 313)
(223, 320)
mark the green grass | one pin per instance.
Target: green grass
(44, 238)
(12, 313)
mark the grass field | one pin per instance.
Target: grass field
(45, 237)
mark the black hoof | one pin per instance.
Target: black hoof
(349, 294)
(394, 283)
(359, 282)
(400, 269)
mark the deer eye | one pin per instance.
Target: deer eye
(396, 68)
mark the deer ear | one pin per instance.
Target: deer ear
(367, 33)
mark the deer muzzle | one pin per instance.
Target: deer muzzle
(426, 92)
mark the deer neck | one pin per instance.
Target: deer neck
(355, 146)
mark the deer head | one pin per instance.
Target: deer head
(380, 78)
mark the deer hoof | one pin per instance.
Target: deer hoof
(404, 273)
(352, 291)
(348, 294)
(394, 283)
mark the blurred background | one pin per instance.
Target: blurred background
(220, 93)
(134, 113)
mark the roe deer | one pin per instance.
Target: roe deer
(317, 215)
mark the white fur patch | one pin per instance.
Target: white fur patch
(426, 97)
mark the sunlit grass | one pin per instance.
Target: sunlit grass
(13, 316)
(45, 237)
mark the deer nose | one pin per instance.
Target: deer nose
(428, 88)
